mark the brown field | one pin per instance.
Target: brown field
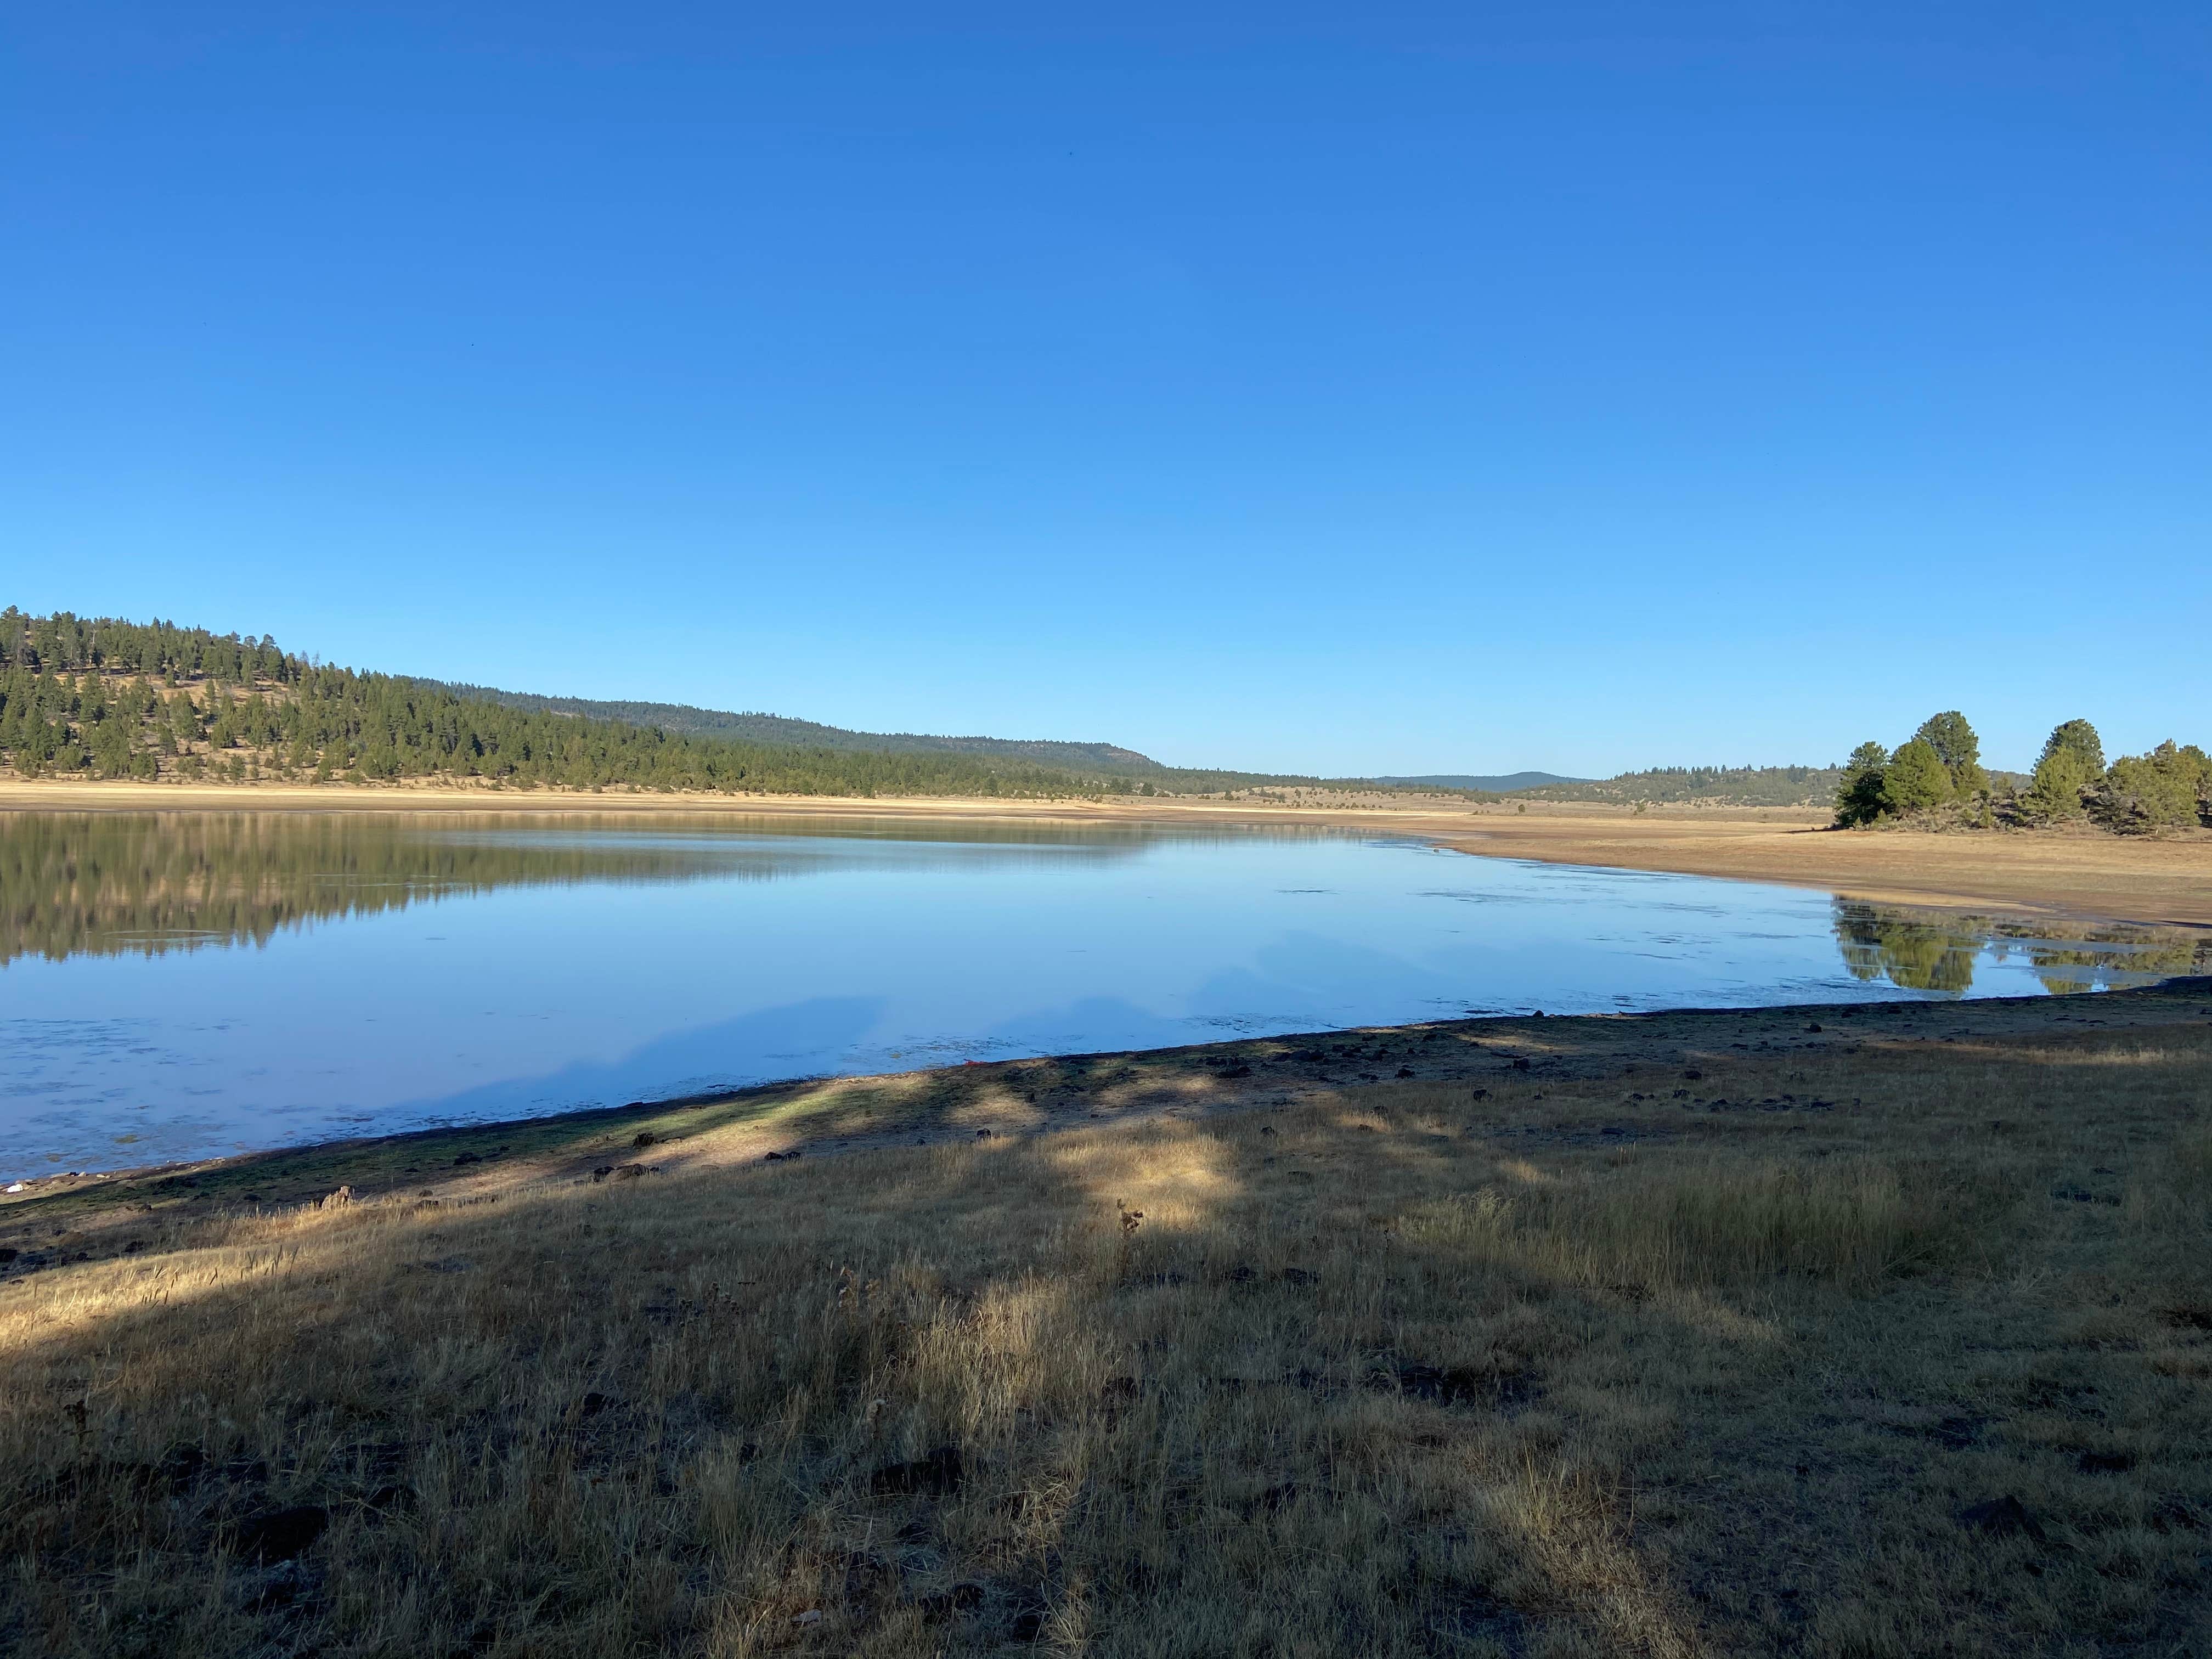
(2163, 881)
(1884, 1331)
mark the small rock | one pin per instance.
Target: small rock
(811, 1616)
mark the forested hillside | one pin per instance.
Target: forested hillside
(1731, 785)
(1103, 763)
(1103, 759)
(107, 698)
(115, 699)
(1467, 783)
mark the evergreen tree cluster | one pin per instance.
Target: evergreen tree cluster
(114, 699)
(1672, 786)
(1938, 774)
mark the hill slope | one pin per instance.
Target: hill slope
(1104, 758)
(151, 701)
(113, 698)
(1730, 786)
(1504, 784)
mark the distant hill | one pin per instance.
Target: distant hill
(1502, 785)
(684, 719)
(1119, 770)
(1719, 786)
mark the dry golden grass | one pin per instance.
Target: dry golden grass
(1578, 1368)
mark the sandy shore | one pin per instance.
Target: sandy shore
(2162, 882)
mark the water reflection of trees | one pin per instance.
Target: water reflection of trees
(1930, 951)
(111, 883)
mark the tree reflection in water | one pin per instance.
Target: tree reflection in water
(1918, 950)
(142, 883)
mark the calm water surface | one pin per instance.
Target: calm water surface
(182, 984)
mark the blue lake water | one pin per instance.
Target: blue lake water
(177, 985)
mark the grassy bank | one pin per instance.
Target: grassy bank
(1683, 1334)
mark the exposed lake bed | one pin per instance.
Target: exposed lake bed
(185, 985)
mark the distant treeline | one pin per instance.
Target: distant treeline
(1936, 777)
(1682, 786)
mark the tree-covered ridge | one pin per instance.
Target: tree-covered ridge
(1103, 763)
(1936, 777)
(783, 731)
(1682, 786)
(126, 700)
(104, 697)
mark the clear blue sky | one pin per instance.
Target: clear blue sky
(1356, 389)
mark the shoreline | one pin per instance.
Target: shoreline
(2163, 882)
(960, 1104)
